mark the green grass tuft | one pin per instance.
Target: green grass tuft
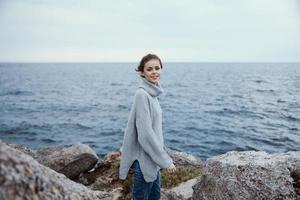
(182, 174)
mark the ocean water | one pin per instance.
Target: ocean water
(208, 108)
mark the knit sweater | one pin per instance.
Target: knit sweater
(143, 138)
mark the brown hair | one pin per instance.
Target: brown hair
(145, 59)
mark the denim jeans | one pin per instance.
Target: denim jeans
(142, 190)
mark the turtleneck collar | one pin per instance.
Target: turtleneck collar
(153, 89)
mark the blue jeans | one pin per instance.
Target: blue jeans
(141, 189)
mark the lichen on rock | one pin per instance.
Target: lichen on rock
(22, 177)
(248, 175)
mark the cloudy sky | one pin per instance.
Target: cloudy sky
(125, 30)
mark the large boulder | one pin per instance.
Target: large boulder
(249, 175)
(22, 177)
(70, 161)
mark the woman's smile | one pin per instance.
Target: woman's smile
(152, 71)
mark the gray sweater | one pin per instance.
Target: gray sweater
(143, 139)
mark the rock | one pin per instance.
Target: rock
(163, 195)
(169, 195)
(22, 177)
(184, 191)
(249, 175)
(117, 194)
(82, 163)
(101, 183)
(76, 161)
(296, 176)
(183, 159)
(70, 161)
(106, 174)
(110, 158)
(23, 149)
(109, 166)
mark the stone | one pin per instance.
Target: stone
(71, 161)
(23, 149)
(22, 177)
(110, 158)
(104, 175)
(184, 191)
(296, 176)
(249, 175)
(169, 195)
(184, 159)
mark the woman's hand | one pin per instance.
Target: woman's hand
(171, 169)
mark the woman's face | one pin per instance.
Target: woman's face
(152, 71)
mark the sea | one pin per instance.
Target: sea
(208, 108)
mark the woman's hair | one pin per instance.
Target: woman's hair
(145, 59)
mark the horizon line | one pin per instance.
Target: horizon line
(86, 62)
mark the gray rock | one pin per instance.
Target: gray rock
(168, 195)
(22, 177)
(110, 158)
(69, 161)
(184, 191)
(249, 175)
(296, 176)
(23, 149)
(184, 159)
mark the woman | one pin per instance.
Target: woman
(143, 145)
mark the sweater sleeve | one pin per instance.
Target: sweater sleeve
(146, 136)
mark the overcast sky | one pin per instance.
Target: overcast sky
(125, 30)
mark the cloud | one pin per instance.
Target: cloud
(256, 30)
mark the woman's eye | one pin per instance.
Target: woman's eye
(157, 68)
(149, 69)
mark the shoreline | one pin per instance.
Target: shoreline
(220, 177)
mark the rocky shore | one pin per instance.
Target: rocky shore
(76, 172)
